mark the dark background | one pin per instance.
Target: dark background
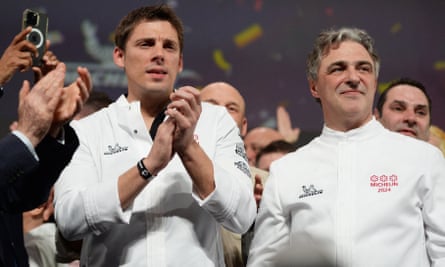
(269, 69)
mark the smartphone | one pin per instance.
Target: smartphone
(39, 23)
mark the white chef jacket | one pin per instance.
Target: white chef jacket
(366, 197)
(167, 224)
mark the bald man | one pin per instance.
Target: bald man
(224, 94)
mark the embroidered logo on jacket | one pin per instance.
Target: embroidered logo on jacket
(310, 191)
(384, 183)
(242, 166)
(116, 149)
(240, 151)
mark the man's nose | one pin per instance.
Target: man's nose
(353, 79)
(158, 53)
(409, 116)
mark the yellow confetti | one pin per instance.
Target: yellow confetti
(218, 57)
(382, 87)
(396, 27)
(249, 35)
(439, 65)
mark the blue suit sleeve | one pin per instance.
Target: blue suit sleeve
(24, 182)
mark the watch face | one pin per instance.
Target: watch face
(145, 173)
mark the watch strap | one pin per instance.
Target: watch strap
(143, 172)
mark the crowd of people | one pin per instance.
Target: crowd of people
(167, 176)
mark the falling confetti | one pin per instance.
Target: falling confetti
(248, 36)
(439, 65)
(396, 27)
(218, 57)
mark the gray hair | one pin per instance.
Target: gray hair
(328, 38)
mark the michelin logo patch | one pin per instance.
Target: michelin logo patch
(242, 166)
(116, 149)
(310, 191)
(240, 151)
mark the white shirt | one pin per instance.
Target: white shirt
(366, 197)
(40, 244)
(167, 224)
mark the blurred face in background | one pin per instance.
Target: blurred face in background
(406, 111)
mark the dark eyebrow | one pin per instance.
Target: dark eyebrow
(399, 102)
(145, 39)
(335, 64)
(421, 107)
(365, 63)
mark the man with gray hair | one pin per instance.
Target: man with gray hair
(357, 195)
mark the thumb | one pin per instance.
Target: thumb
(37, 73)
(24, 91)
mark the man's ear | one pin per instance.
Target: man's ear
(181, 63)
(119, 57)
(244, 128)
(314, 89)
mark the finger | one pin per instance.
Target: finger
(187, 103)
(24, 64)
(85, 75)
(24, 91)
(21, 35)
(37, 73)
(84, 93)
(27, 46)
(53, 81)
(50, 58)
(188, 93)
(59, 78)
(283, 119)
(47, 44)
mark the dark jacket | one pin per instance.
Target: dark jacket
(25, 183)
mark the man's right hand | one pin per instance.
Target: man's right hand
(37, 106)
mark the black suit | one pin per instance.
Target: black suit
(25, 184)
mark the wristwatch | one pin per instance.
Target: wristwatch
(143, 172)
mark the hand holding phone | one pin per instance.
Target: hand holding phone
(39, 23)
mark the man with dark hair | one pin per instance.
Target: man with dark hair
(359, 194)
(272, 152)
(158, 172)
(405, 107)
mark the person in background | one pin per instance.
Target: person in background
(224, 94)
(295, 136)
(158, 172)
(405, 107)
(352, 191)
(34, 154)
(272, 152)
(95, 102)
(39, 231)
(437, 138)
(257, 138)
